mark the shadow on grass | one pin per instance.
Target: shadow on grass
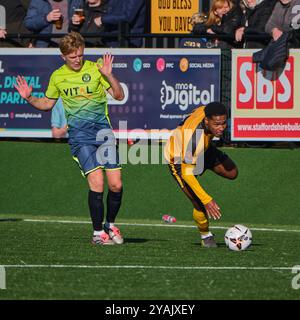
(140, 240)
(219, 244)
(10, 220)
(223, 245)
(135, 240)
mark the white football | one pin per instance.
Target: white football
(238, 237)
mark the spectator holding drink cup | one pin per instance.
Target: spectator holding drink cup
(83, 21)
(50, 17)
(56, 17)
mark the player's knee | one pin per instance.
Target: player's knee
(232, 174)
(96, 184)
(115, 186)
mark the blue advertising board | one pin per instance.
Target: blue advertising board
(162, 86)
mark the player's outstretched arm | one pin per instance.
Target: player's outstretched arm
(25, 92)
(116, 91)
(212, 209)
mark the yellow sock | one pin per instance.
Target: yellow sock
(201, 221)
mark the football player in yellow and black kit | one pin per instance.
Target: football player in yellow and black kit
(189, 153)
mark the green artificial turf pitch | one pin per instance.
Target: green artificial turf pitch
(53, 260)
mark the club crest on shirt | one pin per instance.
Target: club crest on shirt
(86, 77)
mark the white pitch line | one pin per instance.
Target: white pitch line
(140, 267)
(56, 221)
(157, 225)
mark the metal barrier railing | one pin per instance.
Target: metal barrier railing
(123, 36)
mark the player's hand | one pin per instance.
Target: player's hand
(213, 210)
(23, 88)
(106, 67)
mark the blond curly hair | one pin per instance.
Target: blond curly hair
(71, 42)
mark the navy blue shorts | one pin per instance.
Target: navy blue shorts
(98, 153)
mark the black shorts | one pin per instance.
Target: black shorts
(213, 157)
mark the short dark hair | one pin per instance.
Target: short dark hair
(215, 109)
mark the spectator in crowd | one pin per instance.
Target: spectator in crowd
(50, 16)
(256, 14)
(15, 12)
(284, 19)
(223, 19)
(85, 23)
(58, 120)
(198, 18)
(129, 11)
(194, 42)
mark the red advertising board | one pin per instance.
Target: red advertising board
(265, 104)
